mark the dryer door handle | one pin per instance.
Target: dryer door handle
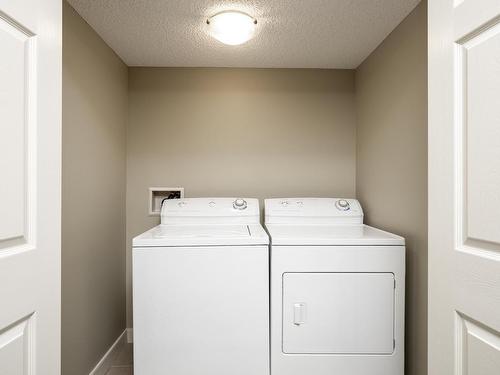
(299, 313)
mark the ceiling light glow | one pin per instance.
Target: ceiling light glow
(232, 27)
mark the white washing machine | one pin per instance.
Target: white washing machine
(337, 290)
(201, 290)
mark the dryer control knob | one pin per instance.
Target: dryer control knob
(342, 204)
(240, 204)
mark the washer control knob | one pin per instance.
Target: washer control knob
(240, 204)
(181, 204)
(342, 204)
(211, 204)
(285, 203)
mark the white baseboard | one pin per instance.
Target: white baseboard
(130, 335)
(107, 360)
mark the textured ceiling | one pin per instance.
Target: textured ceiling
(290, 33)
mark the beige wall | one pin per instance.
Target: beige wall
(93, 227)
(391, 176)
(237, 132)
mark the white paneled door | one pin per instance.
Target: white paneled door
(464, 187)
(30, 186)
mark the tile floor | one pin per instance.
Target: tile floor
(123, 362)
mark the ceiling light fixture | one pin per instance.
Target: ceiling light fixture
(232, 27)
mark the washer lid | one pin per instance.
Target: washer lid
(202, 235)
(333, 235)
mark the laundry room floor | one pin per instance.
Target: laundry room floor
(123, 363)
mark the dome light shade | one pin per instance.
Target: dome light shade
(232, 27)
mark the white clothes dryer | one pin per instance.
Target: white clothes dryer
(337, 290)
(201, 290)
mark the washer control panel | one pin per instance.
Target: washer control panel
(313, 210)
(240, 204)
(211, 210)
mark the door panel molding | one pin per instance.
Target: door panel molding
(474, 197)
(471, 333)
(18, 190)
(16, 347)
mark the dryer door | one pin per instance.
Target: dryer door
(338, 313)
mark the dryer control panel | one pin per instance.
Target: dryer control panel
(313, 211)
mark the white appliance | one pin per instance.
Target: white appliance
(337, 290)
(201, 290)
